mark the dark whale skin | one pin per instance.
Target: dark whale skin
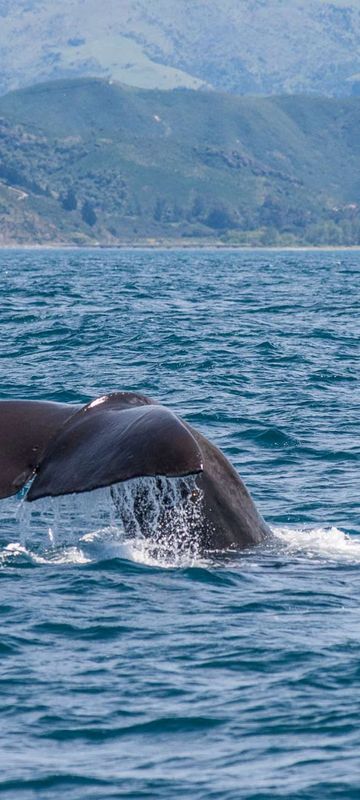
(231, 519)
(72, 449)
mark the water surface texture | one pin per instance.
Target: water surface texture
(131, 672)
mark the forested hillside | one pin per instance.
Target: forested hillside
(89, 161)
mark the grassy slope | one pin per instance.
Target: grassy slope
(177, 164)
(252, 46)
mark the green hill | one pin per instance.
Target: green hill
(91, 161)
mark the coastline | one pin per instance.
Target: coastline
(179, 245)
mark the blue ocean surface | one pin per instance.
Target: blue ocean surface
(134, 673)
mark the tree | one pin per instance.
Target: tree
(197, 209)
(88, 213)
(159, 209)
(69, 201)
(221, 218)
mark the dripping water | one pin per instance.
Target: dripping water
(147, 519)
(164, 512)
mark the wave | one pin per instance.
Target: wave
(102, 546)
(16, 551)
(325, 542)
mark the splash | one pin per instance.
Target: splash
(166, 513)
(63, 555)
(155, 521)
(151, 521)
(319, 542)
(108, 544)
(59, 521)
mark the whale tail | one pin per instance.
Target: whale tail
(70, 449)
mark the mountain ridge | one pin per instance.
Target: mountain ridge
(252, 47)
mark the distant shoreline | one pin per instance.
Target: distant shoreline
(182, 246)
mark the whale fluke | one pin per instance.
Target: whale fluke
(26, 428)
(73, 448)
(113, 439)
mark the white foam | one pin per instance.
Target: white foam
(14, 549)
(109, 544)
(147, 552)
(319, 542)
(64, 555)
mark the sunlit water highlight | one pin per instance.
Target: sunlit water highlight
(143, 668)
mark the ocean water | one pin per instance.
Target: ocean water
(131, 672)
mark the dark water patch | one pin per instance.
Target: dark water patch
(208, 576)
(51, 782)
(66, 630)
(8, 647)
(6, 609)
(162, 728)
